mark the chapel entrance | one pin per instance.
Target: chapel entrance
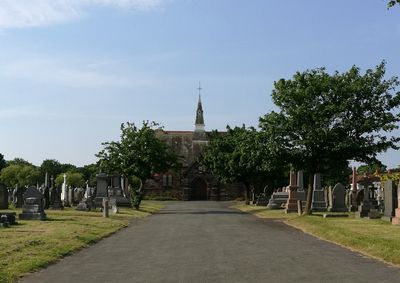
(198, 189)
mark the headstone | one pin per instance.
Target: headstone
(390, 199)
(369, 205)
(71, 196)
(318, 198)
(301, 193)
(278, 200)
(113, 205)
(33, 208)
(338, 199)
(56, 203)
(291, 204)
(101, 188)
(105, 207)
(46, 194)
(3, 197)
(4, 221)
(11, 216)
(18, 196)
(396, 218)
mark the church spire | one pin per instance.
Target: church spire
(199, 112)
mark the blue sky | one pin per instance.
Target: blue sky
(72, 71)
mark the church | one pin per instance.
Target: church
(192, 182)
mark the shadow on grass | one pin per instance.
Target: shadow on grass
(60, 219)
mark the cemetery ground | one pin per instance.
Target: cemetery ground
(32, 245)
(373, 237)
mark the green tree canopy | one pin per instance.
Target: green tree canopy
(18, 161)
(371, 168)
(21, 175)
(74, 179)
(392, 3)
(326, 120)
(3, 162)
(50, 166)
(138, 153)
(240, 155)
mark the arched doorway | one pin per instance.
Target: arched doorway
(198, 189)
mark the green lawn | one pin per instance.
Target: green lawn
(375, 238)
(32, 245)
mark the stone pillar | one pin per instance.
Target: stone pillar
(105, 208)
(396, 219)
(353, 193)
(390, 199)
(64, 195)
(318, 199)
(291, 204)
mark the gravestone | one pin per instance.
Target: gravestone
(56, 203)
(33, 207)
(338, 198)
(18, 194)
(301, 193)
(369, 205)
(113, 205)
(71, 196)
(390, 199)
(291, 204)
(46, 194)
(3, 197)
(101, 189)
(262, 199)
(278, 200)
(318, 198)
(4, 221)
(11, 216)
(396, 218)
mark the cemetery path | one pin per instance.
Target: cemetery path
(209, 242)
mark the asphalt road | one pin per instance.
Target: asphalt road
(208, 242)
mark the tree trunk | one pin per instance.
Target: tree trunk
(310, 190)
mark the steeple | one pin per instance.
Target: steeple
(199, 113)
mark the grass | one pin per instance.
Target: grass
(375, 238)
(32, 245)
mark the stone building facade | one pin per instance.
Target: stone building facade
(192, 182)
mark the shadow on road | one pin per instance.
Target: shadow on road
(199, 212)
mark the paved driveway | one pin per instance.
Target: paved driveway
(208, 242)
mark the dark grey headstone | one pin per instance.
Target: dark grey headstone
(18, 196)
(33, 192)
(318, 198)
(338, 199)
(33, 208)
(102, 185)
(3, 197)
(390, 199)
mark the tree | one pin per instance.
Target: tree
(3, 162)
(240, 155)
(138, 153)
(21, 175)
(326, 120)
(392, 3)
(371, 168)
(74, 180)
(50, 166)
(89, 173)
(19, 161)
